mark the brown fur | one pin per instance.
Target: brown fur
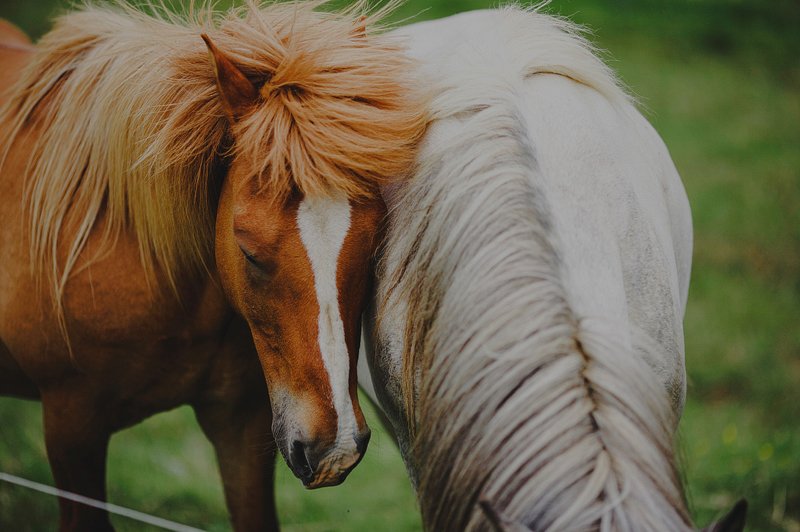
(112, 180)
(12, 36)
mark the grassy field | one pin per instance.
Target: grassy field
(720, 80)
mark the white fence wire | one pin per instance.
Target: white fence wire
(108, 507)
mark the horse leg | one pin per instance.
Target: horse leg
(242, 439)
(76, 448)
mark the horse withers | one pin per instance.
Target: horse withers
(527, 341)
(190, 222)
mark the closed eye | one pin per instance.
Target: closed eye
(258, 266)
(250, 257)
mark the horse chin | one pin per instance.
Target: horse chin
(333, 472)
(330, 470)
(318, 458)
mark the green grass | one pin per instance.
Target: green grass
(720, 81)
(166, 467)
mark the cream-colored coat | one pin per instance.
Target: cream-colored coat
(539, 259)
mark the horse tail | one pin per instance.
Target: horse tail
(632, 481)
(516, 395)
(550, 418)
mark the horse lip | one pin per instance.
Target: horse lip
(335, 481)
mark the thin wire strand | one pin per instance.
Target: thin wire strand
(108, 507)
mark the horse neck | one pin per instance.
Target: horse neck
(513, 397)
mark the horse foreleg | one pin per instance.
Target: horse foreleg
(242, 439)
(76, 448)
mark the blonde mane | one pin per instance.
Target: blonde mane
(132, 132)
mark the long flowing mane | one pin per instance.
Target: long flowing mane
(512, 398)
(131, 129)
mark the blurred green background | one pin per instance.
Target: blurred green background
(720, 80)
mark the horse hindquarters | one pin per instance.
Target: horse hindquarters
(615, 200)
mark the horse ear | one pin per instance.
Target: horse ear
(733, 521)
(237, 92)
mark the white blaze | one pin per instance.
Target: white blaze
(323, 225)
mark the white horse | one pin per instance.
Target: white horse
(527, 341)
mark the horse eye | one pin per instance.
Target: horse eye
(250, 258)
(259, 267)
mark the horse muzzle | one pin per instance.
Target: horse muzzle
(318, 467)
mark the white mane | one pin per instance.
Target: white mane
(512, 397)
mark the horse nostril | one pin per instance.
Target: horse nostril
(300, 464)
(362, 440)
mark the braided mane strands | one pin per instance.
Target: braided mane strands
(131, 129)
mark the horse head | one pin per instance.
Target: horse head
(298, 271)
(296, 231)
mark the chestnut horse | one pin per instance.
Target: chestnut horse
(528, 344)
(184, 222)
